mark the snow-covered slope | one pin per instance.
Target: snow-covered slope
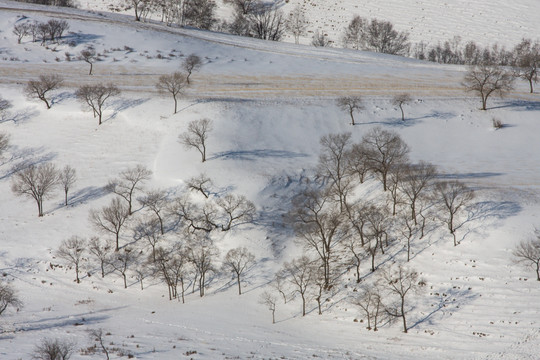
(270, 103)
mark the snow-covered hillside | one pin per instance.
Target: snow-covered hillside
(431, 21)
(270, 104)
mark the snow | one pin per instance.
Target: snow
(270, 103)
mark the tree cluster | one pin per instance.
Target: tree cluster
(52, 30)
(172, 238)
(40, 182)
(375, 35)
(340, 231)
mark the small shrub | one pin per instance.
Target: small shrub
(497, 123)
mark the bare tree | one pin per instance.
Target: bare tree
(129, 181)
(99, 336)
(408, 230)
(21, 30)
(300, 274)
(122, 261)
(400, 283)
(4, 143)
(527, 252)
(95, 97)
(269, 300)
(350, 104)
(194, 216)
(400, 100)
(199, 13)
(320, 39)
(356, 214)
(72, 250)
(67, 178)
(174, 84)
(319, 227)
(8, 297)
(37, 182)
(172, 265)
(376, 228)
(190, 64)
(149, 229)
(486, 80)
(237, 209)
(266, 21)
(355, 33)
(357, 161)
(196, 135)
(418, 181)
(156, 201)
(111, 219)
(201, 183)
(54, 349)
(138, 7)
(202, 253)
(355, 247)
(395, 178)
(43, 86)
(101, 250)
(380, 36)
(455, 197)
(370, 301)
(243, 6)
(333, 165)
(89, 56)
(5, 105)
(238, 261)
(383, 149)
(527, 55)
(297, 23)
(56, 28)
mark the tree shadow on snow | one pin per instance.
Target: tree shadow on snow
(24, 158)
(519, 105)
(19, 117)
(122, 104)
(448, 301)
(252, 155)
(461, 176)
(87, 318)
(80, 38)
(61, 97)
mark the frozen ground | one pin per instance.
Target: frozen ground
(270, 102)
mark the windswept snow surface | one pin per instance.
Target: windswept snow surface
(270, 103)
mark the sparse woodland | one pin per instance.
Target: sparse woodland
(361, 215)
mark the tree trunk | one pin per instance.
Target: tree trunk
(77, 274)
(402, 113)
(403, 315)
(484, 101)
(239, 285)
(117, 247)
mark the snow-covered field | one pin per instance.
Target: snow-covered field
(270, 103)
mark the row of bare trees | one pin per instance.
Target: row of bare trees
(52, 30)
(94, 96)
(339, 230)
